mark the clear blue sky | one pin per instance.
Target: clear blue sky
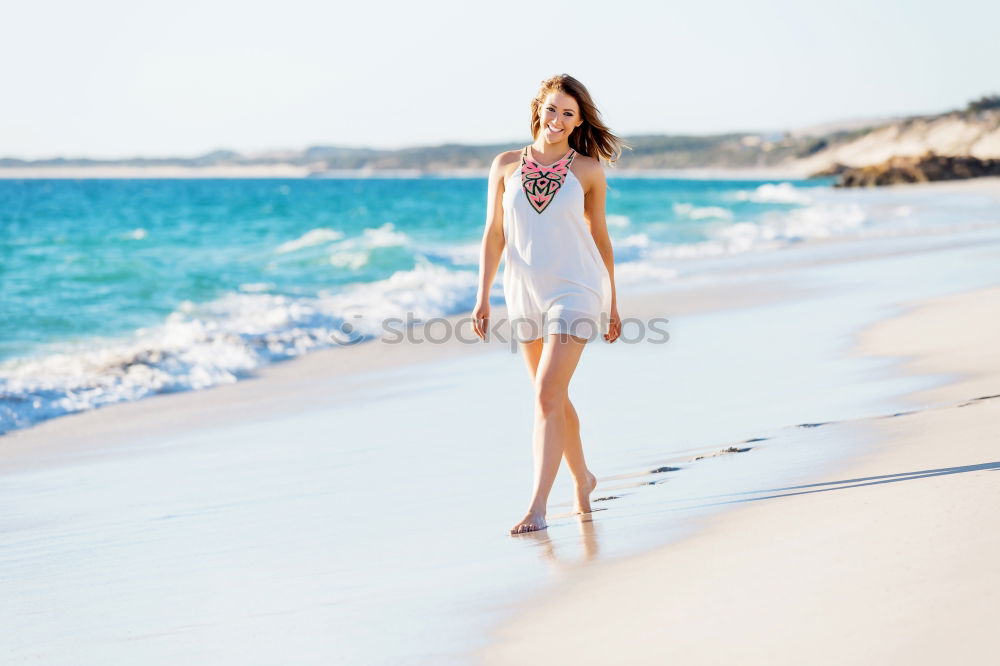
(115, 78)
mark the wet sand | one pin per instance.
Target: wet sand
(888, 560)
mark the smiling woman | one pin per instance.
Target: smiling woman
(588, 135)
(546, 217)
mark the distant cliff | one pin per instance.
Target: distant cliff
(917, 169)
(972, 132)
(915, 144)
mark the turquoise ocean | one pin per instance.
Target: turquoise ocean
(114, 290)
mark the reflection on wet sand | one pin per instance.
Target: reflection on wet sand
(566, 553)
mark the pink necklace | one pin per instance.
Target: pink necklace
(541, 182)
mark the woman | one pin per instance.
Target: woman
(545, 215)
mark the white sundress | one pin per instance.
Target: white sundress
(554, 280)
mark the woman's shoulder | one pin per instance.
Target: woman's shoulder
(506, 162)
(588, 170)
(586, 162)
(508, 157)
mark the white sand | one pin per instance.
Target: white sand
(892, 560)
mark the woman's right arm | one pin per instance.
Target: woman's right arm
(492, 247)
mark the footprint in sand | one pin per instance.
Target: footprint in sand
(975, 400)
(731, 449)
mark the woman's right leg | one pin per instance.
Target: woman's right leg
(583, 479)
(560, 356)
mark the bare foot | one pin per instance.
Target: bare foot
(530, 523)
(583, 494)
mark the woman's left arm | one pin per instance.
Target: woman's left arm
(594, 211)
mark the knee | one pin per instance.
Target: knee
(552, 401)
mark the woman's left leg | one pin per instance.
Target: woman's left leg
(560, 356)
(583, 479)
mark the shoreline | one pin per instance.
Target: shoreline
(848, 566)
(320, 377)
(695, 293)
(340, 370)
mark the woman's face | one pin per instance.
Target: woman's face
(559, 116)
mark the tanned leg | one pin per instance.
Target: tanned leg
(560, 357)
(583, 479)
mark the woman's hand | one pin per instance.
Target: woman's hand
(614, 326)
(481, 319)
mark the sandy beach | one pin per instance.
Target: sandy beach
(804, 473)
(889, 559)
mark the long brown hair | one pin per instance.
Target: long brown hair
(593, 138)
